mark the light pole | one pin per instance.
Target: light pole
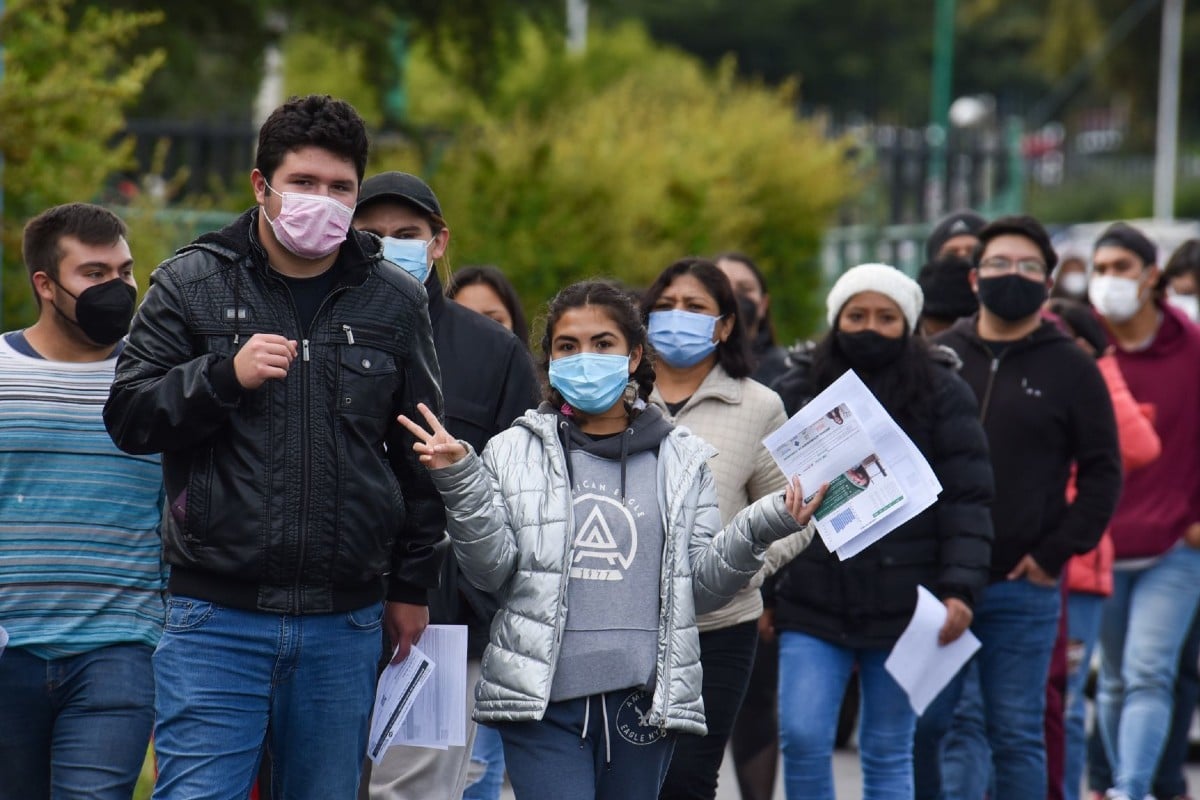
(939, 103)
(1167, 137)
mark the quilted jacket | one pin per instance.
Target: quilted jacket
(509, 516)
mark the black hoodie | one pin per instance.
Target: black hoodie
(1044, 407)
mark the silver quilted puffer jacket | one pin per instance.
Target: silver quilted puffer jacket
(509, 516)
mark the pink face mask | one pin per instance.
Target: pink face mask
(310, 226)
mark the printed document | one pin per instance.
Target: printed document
(877, 477)
(436, 712)
(919, 664)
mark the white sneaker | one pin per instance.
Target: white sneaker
(1114, 794)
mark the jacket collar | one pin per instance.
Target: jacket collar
(239, 239)
(437, 296)
(717, 385)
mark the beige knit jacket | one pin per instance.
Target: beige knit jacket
(733, 415)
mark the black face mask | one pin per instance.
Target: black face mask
(868, 351)
(1011, 297)
(103, 312)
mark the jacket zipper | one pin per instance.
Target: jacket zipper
(987, 393)
(560, 620)
(305, 433)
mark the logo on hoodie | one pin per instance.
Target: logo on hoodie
(606, 543)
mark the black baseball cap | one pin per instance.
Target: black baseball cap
(399, 186)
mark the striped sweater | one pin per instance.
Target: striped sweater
(80, 564)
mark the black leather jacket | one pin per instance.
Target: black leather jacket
(299, 496)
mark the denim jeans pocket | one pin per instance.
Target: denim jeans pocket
(368, 618)
(188, 614)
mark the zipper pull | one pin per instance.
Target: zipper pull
(236, 338)
(304, 349)
(349, 334)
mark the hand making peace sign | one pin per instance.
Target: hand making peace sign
(438, 449)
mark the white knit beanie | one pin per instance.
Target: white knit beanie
(887, 280)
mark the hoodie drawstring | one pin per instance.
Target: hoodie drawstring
(607, 743)
(587, 716)
(624, 456)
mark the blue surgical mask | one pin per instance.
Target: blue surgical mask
(682, 338)
(590, 382)
(411, 254)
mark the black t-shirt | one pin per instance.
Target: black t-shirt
(997, 348)
(308, 294)
(675, 408)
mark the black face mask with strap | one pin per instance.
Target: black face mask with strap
(103, 312)
(868, 351)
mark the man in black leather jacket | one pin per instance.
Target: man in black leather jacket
(268, 364)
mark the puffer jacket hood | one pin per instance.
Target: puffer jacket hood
(510, 518)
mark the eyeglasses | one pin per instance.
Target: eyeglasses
(997, 265)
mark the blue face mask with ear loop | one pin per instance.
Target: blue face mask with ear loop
(682, 338)
(590, 382)
(410, 254)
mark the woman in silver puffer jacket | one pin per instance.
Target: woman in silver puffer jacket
(595, 522)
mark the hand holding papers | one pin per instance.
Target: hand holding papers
(919, 664)
(421, 701)
(878, 479)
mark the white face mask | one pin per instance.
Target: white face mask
(1074, 283)
(1117, 299)
(1187, 303)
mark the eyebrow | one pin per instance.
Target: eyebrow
(103, 264)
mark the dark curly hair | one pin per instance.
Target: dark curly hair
(734, 353)
(317, 120)
(622, 309)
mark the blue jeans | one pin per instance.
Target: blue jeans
(1141, 635)
(812, 680)
(1017, 623)
(1171, 780)
(1083, 628)
(75, 726)
(488, 752)
(226, 677)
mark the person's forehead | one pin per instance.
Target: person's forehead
(1012, 243)
(1113, 254)
(391, 215)
(75, 252)
(317, 160)
(738, 273)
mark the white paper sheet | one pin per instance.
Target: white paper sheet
(439, 713)
(918, 663)
(397, 689)
(3, 640)
(845, 430)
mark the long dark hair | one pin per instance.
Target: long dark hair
(766, 328)
(620, 307)
(734, 353)
(493, 278)
(904, 386)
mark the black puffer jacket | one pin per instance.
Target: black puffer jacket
(299, 496)
(868, 600)
(488, 380)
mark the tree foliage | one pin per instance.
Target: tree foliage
(621, 160)
(217, 46)
(61, 107)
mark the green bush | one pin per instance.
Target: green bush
(616, 162)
